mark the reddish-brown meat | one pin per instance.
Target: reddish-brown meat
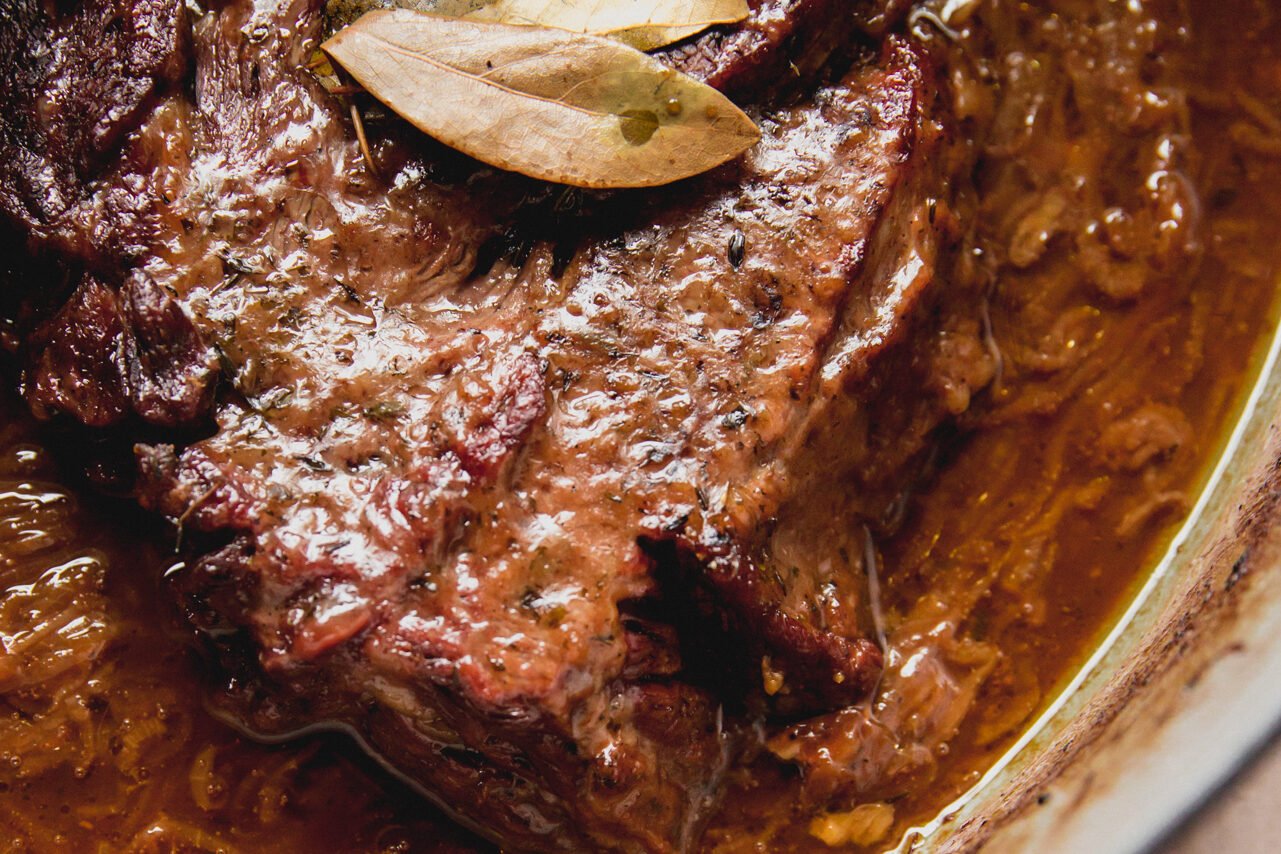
(782, 44)
(547, 497)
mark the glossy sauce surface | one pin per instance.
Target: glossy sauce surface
(1128, 234)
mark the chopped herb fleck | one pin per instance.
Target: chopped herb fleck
(385, 410)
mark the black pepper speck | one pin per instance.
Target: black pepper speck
(737, 249)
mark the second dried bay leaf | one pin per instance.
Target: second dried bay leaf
(643, 24)
(563, 107)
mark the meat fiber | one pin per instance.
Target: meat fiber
(548, 496)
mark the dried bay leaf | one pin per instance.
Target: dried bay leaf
(559, 106)
(643, 24)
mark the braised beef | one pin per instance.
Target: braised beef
(549, 528)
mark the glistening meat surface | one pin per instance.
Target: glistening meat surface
(547, 497)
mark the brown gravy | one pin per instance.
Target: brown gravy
(1128, 231)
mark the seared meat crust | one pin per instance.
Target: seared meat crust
(548, 520)
(76, 79)
(107, 356)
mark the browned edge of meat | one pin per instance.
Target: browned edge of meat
(782, 44)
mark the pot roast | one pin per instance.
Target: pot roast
(550, 497)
